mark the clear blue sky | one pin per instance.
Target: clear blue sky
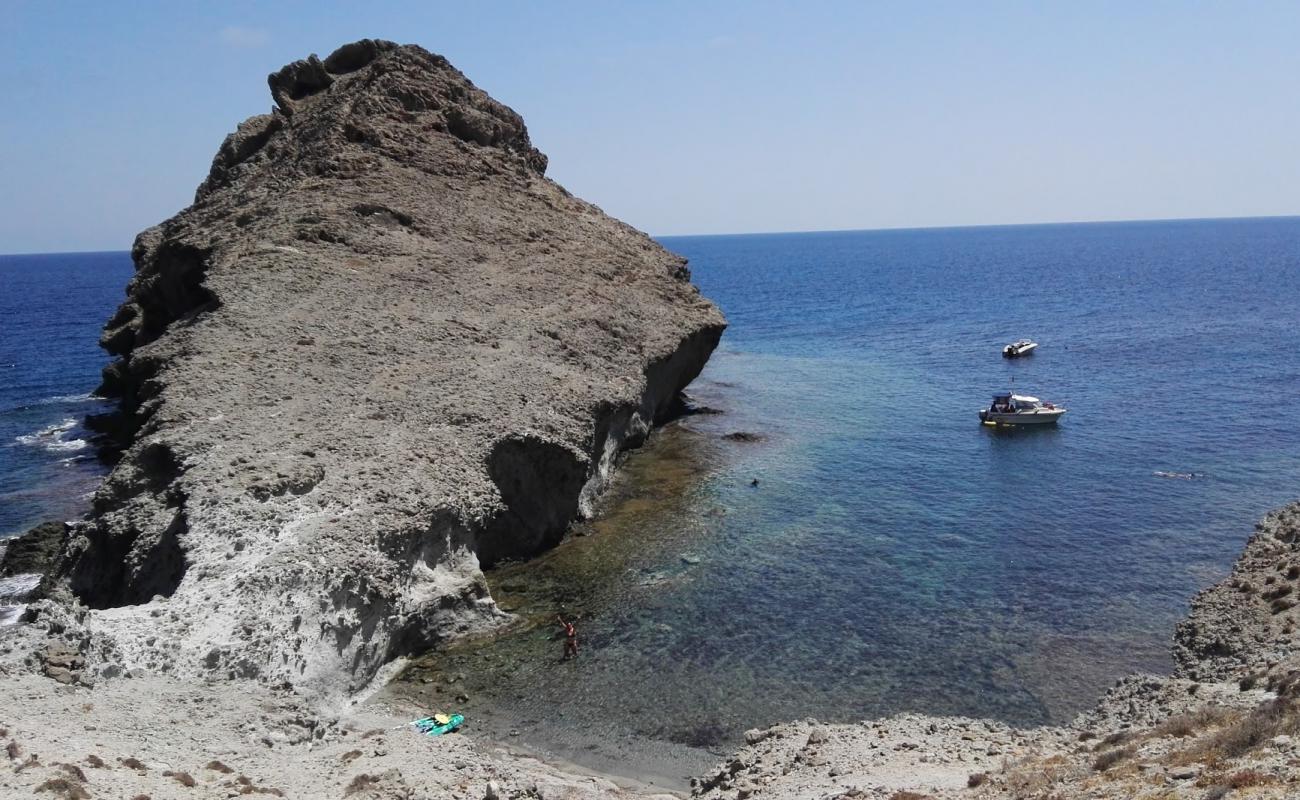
(697, 117)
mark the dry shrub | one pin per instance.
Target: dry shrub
(142, 797)
(1110, 758)
(363, 781)
(373, 732)
(217, 766)
(133, 763)
(73, 770)
(1248, 777)
(1281, 591)
(909, 796)
(183, 778)
(95, 761)
(1285, 604)
(1287, 685)
(350, 755)
(1181, 726)
(64, 788)
(246, 786)
(976, 779)
(1272, 718)
(1114, 740)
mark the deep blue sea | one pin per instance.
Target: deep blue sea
(895, 555)
(51, 310)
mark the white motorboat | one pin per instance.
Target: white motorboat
(1019, 409)
(1018, 348)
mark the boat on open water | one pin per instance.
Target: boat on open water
(1019, 409)
(1018, 348)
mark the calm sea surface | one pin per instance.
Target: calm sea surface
(895, 555)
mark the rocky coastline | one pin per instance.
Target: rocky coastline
(382, 350)
(379, 351)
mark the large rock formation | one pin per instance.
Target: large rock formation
(380, 350)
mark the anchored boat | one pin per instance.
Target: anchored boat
(1021, 347)
(1019, 409)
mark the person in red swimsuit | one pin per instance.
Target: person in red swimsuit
(570, 639)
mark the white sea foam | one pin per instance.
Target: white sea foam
(68, 444)
(71, 398)
(13, 591)
(17, 587)
(57, 437)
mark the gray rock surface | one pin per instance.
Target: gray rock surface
(379, 350)
(1246, 623)
(34, 551)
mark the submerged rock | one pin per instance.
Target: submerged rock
(380, 350)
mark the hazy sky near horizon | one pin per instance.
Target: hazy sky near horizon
(697, 117)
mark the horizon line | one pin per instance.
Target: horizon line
(827, 230)
(1124, 221)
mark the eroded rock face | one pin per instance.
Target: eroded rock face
(379, 349)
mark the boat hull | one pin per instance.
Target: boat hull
(1042, 416)
(1017, 352)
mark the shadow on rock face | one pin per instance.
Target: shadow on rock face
(540, 483)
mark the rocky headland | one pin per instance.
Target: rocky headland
(381, 351)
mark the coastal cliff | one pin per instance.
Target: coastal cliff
(380, 351)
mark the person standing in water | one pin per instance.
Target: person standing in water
(570, 639)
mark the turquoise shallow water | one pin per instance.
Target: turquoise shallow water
(896, 555)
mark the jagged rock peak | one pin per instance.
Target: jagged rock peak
(361, 98)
